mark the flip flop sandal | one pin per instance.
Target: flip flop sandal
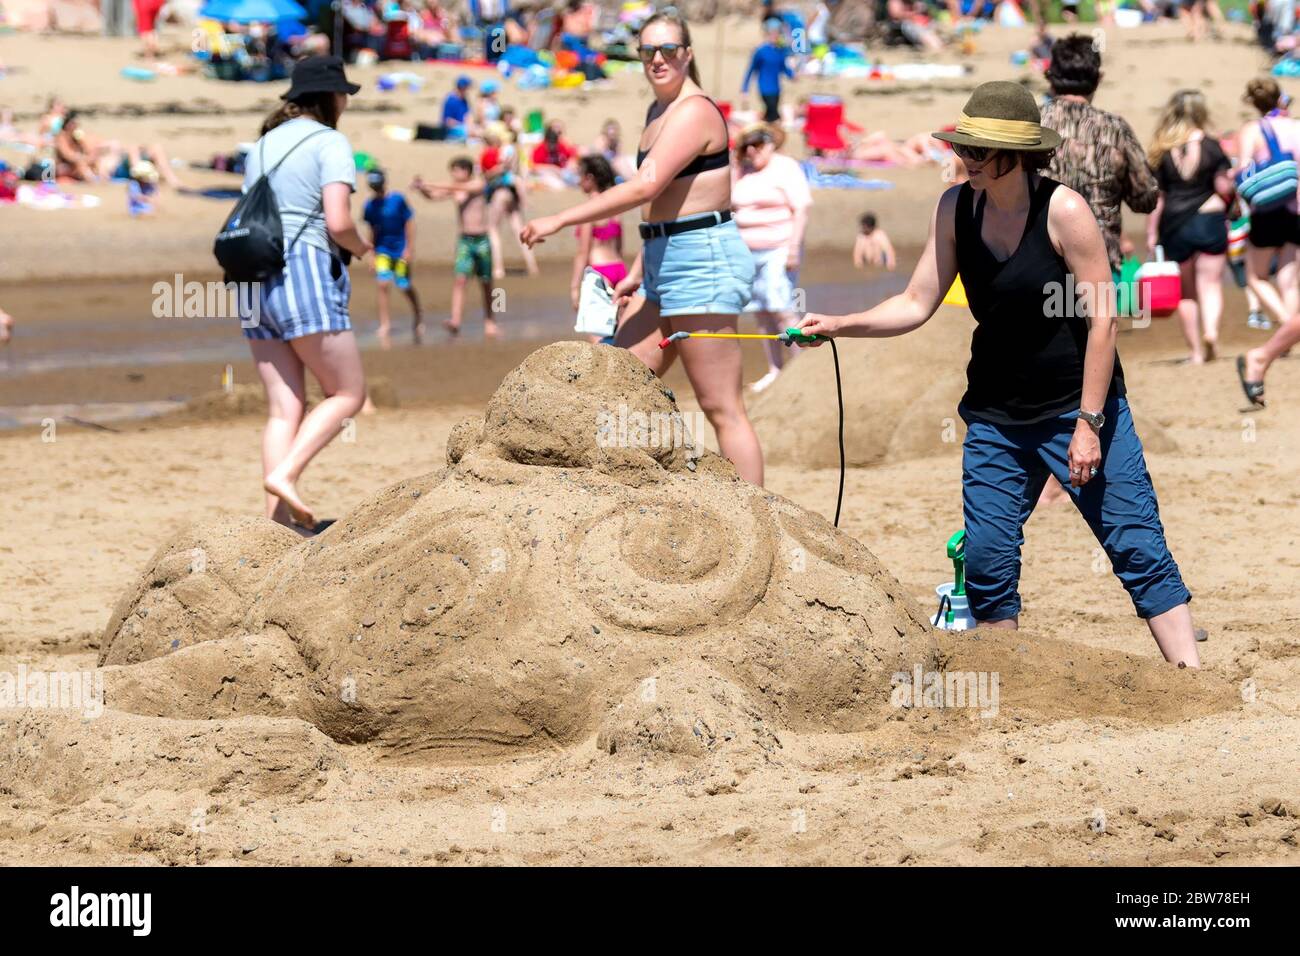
(1254, 390)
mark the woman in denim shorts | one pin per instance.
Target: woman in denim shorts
(694, 273)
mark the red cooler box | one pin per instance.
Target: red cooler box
(1160, 286)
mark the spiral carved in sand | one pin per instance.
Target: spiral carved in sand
(674, 568)
(442, 574)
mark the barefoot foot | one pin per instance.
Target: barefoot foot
(280, 486)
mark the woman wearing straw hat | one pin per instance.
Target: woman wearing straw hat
(769, 200)
(1045, 390)
(303, 321)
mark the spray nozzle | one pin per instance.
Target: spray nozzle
(957, 552)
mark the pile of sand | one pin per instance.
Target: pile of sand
(572, 626)
(241, 400)
(563, 582)
(900, 400)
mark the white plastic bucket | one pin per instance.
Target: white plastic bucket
(961, 619)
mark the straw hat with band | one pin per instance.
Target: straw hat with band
(759, 133)
(1002, 115)
(319, 74)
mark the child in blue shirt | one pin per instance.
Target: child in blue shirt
(769, 64)
(392, 233)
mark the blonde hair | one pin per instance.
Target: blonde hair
(1185, 113)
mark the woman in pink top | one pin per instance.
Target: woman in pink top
(600, 244)
(770, 200)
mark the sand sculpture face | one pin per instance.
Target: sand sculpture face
(562, 577)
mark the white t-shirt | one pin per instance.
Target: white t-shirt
(763, 203)
(325, 158)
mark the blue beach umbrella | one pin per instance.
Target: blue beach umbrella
(253, 11)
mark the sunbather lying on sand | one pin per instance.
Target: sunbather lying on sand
(87, 158)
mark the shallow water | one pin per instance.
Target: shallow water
(108, 329)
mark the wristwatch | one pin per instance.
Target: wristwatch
(1096, 421)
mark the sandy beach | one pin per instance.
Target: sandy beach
(772, 739)
(195, 118)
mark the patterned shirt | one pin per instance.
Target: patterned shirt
(1100, 159)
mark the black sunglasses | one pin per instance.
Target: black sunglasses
(976, 154)
(669, 50)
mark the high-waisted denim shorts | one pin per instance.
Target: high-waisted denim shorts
(704, 271)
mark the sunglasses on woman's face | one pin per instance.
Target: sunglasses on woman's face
(669, 50)
(972, 154)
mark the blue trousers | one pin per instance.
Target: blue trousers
(1004, 468)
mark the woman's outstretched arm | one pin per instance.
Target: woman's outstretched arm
(912, 307)
(684, 136)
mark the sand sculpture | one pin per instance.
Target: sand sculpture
(562, 577)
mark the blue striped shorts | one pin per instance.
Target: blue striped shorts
(306, 298)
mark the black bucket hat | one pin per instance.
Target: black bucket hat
(319, 74)
(1002, 115)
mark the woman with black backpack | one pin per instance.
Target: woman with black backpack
(299, 317)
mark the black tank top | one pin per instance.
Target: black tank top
(1026, 361)
(700, 164)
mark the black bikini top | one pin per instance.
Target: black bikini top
(700, 164)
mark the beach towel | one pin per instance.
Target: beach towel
(840, 180)
(49, 196)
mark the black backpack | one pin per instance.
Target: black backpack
(250, 246)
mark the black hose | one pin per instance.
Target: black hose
(839, 394)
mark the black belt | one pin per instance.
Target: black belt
(650, 230)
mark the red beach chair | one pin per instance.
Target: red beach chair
(822, 125)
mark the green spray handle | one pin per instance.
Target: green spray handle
(957, 552)
(793, 336)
